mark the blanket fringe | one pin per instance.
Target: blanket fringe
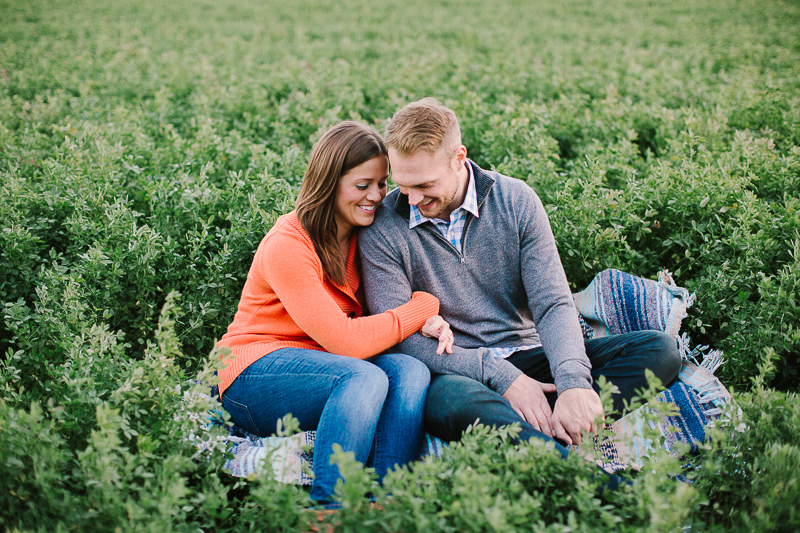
(709, 362)
(667, 281)
(712, 360)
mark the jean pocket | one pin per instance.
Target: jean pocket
(240, 414)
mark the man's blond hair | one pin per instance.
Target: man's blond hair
(426, 125)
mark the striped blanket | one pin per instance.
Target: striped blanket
(614, 302)
(699, 398)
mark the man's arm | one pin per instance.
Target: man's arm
(550, 299)
(386, 283)
(556, 319)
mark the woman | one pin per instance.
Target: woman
(299, 343)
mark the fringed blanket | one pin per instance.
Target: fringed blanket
(699, 398)
(291, 458)
(615, 302)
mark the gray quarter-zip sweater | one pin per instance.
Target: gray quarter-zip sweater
(507, 284)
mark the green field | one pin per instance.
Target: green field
(146, 147)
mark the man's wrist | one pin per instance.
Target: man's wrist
(579, 383)
(506, 375)
(573, 375)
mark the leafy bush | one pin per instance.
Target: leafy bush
(146, 148)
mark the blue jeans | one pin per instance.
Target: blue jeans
(455, 402)
(373, 408)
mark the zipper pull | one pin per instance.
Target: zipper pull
(462, 260)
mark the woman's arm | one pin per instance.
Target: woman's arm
(294, 273)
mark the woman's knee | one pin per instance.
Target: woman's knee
(400, 364)
(414, 372)
(365, 379)
(417, 369)
(404, 372)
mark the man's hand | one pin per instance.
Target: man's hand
(576, 410)
(526, 396)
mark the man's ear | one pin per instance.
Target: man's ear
(461, 156)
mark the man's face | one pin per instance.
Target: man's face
(429, 180)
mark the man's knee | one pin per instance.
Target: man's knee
(456, 402)
(666, 360)
(453, 396)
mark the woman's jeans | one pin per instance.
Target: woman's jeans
(373, 408)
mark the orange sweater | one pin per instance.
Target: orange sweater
(288, 302)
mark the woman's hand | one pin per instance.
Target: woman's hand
(437, 327)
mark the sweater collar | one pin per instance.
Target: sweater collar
(483, 184)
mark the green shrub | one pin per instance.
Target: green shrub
(147, 148)
(751, 480)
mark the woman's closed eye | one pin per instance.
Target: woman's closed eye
(365, 186)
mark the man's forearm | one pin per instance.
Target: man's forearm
(477, 363)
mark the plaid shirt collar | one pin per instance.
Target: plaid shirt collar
(470, 204)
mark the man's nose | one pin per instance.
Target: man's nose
(414, 197)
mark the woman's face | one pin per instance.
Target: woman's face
(359, 192)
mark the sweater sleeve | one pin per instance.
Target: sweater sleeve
(550, 299)
(299, 286)
(386, 284)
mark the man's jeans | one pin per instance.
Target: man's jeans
(373, 408)
(455, 402)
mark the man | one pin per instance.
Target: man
(482, 243)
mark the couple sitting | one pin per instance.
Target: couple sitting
(454, 240)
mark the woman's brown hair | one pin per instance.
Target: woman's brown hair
(343, 147)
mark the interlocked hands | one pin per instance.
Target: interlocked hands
(576, 410)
